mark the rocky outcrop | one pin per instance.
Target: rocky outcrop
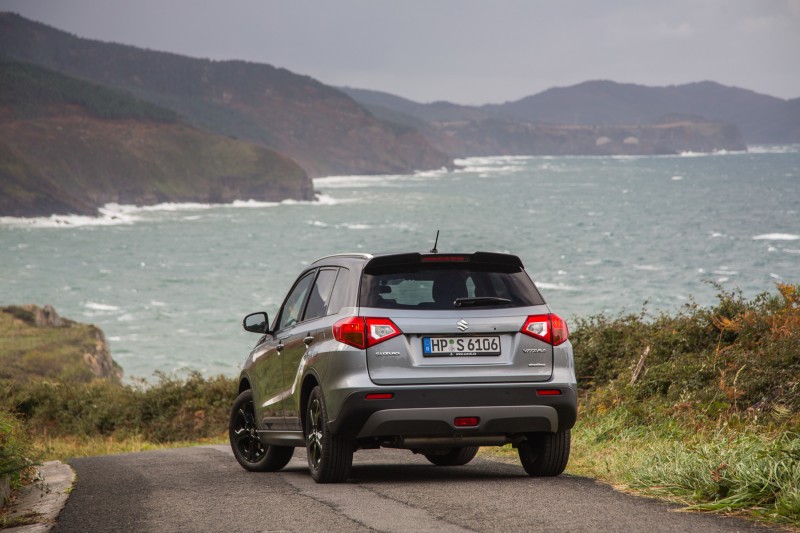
(41, 343)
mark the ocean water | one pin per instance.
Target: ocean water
(169, 284)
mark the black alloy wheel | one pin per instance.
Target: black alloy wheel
(330, 457)
(246, 444)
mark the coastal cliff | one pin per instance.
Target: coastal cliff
(68, 147)
(38, 343)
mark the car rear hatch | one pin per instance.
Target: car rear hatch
(454, 318)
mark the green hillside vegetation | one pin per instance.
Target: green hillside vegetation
(314, 124)
(32, 91)
(68, 147)
(701, 407)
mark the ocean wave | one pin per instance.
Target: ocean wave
(113, 214)
(555, 286)
(776, 149)
(95, 306)
(360, 181)
(109, 215)
(776, 237)
(648, 268)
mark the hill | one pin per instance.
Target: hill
(68, 146)
(762, 119)
(464, 131)
(321, 128)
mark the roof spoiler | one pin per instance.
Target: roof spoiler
(415, 258)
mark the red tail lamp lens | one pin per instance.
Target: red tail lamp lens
(466, 421)
(350, 331)
(362, 333)
(549, 328)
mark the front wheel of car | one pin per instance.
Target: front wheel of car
(330, 457)
(247, 447)
(545, 454)
(453, 457)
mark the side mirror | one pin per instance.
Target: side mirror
(256, 323)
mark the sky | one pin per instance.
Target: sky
(464, 51)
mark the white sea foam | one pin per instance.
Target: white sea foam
(355, 226)
(95, 306)
(360, 182)
(776, 149)
(648, 268)
(555, 286)
(724, 272)
(791, 251)
(776, 237)
(113, 214)
(109, 215)
(677, 178)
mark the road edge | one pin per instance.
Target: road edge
(43, 500)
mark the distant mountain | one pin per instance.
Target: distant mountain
(761, 119)
(318, 126)
(463, 131)
(68, 146)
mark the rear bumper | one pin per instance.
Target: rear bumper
(509, 409)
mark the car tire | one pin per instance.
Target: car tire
(330, 457)
(545, 454)
(247, 447)
(454, 457)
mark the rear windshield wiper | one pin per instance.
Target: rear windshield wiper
(481, 300)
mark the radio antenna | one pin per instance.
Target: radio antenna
(434, 250)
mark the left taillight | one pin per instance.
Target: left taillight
(363, 332)
(549, 328)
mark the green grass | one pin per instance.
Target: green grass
(701, 407)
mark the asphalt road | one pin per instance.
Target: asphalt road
(204, 489)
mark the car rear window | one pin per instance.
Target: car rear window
(439, 286)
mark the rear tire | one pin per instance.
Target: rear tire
(454, 457)
(545, 454)
(247, 447)
(330, 457)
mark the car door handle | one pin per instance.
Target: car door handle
(308, 340)
(279, 347)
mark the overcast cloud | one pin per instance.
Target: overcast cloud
(465, 51)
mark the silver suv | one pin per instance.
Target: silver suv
(436, 353)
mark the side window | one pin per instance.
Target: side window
(290, 313)
(320, 294)
(341, 290)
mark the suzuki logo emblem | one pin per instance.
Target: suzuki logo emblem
(463, 325)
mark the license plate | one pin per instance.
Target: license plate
(460, 346)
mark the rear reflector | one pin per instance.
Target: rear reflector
(466, 421)
(380, 396)
(548, 392)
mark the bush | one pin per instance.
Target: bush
(170, 410)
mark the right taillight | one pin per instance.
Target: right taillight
(549, 328)
(362, 332)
